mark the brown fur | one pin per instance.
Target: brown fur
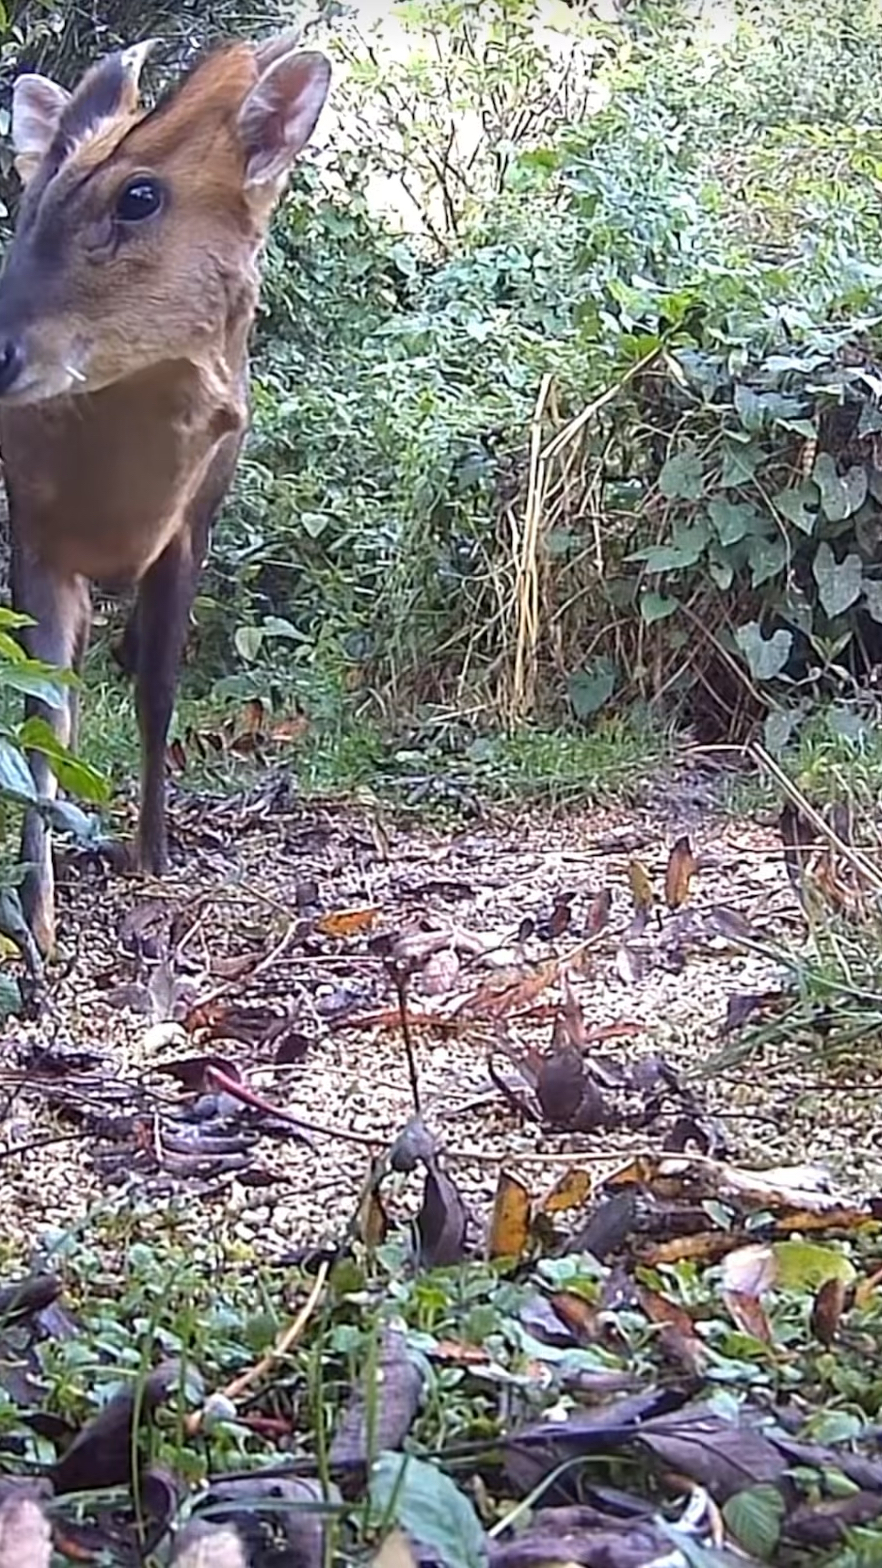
(121, 481)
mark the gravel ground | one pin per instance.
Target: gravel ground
(265, 943)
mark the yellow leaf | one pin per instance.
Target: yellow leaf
(640, 884)
(510, 1225)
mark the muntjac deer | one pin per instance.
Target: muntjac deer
(126, 303)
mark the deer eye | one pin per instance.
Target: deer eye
(140, 198)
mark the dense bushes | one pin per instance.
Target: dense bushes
(564, 385)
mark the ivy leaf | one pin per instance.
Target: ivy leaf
(656, 607)
(841, 494)
(722, 573)
(431, 1509)
(872, 591)
(839, 582)
(778, 729)
(682, 476)
(767, 558)
(740, 463)
(766, 656)
(749, 408)
(733, 520)
(755, 1516)
(590, 688)
(799, 504)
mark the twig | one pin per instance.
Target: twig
(240, 1385)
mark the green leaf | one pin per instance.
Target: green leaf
(18, 679)
(872, 594)
(799, 504)
(740, 463)
(806, 1265)
(74, 775)
(839, 582)
(10, 996)
(590, 688)
(766, 656)
(16, 780)
(682, 476)
(767, 558)
(778, 729)
(722, 573)
(755, 1516)
(425, 1502)
(14, 617)
(841, 494)
(733, 520)
(248, 641)
(749, 408)
(656, 607)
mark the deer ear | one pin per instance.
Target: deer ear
(280, 114)
(37, 107)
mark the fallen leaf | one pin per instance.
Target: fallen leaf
(827, 1310)
(347, 922)
(510, 1223)
(679, 873)
(570, 1191)
(598, 912)
(748, 1314)
(640, 884)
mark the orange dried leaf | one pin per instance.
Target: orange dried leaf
(510, 1224)
(570, 1191)
(348, 922)
(514, 988)
(706, 1247)
(679, 873)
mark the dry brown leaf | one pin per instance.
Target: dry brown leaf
(570, 1191)
(748, 1314)
(348, 922)
(679, 873)
(581, 1317)
(640, 884)
(510, 1224)
(598, 913)
(289, 729)
(827, 1310)
(503, 992)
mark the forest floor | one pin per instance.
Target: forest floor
(275, 954)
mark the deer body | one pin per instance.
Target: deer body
(125, 309)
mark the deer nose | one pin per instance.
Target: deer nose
(11, 362)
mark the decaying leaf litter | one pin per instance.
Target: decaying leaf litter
(249, 1044)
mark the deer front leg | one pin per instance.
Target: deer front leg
(60, 607)
(160, 627)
